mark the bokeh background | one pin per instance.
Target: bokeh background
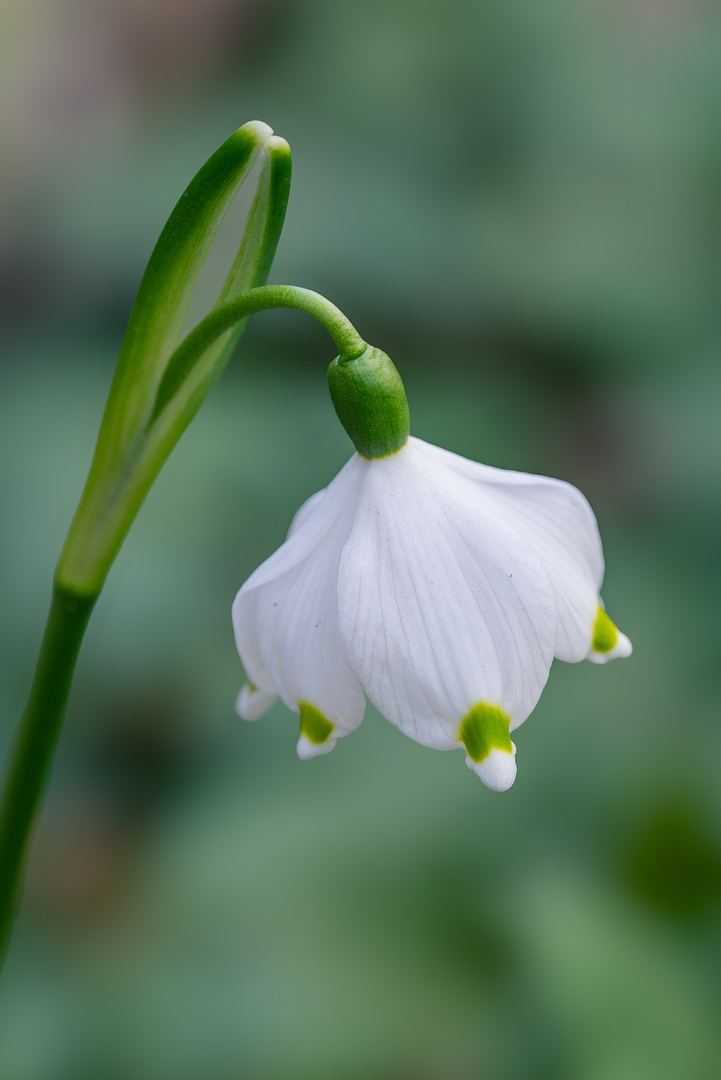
(521, 203)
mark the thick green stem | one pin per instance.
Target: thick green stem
(32, 753)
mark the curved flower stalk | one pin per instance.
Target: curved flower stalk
(440, 588)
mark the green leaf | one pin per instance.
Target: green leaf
(161, 306)
(250, 270)
(148, 408)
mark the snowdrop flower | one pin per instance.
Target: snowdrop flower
(440, 588)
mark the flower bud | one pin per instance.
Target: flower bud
(369, 398)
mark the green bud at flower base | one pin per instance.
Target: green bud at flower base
(369, 398)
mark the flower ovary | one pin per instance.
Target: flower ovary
(371, 403)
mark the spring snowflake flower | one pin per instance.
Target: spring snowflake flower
(440, 588)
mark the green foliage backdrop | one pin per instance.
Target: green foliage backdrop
(199, 903)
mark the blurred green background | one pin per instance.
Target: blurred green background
(521, 203)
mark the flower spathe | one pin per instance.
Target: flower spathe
(440, 588)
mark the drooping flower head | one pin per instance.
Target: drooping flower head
(440, 588)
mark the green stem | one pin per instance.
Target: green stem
(32, 753)
(347, 339)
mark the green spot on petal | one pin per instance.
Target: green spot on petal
(252, 688)
(485, 728)
(605, 634)
(313, 724)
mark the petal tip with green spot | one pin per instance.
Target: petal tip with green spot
(484, 728)
(608, 642)
(485, 733)
(252, 703)
(316, 732)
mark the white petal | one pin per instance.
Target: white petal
(286, 614)
(252, 703)
(442, 603)
(305, 511)
(560, 526)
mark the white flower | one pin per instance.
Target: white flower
(440, 588)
